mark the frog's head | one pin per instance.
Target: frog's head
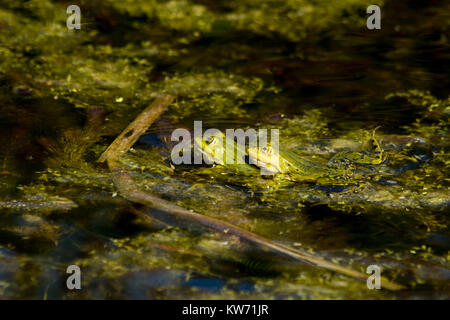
(265, 158)
(211, 147)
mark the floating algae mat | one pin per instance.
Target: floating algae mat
(343, 194)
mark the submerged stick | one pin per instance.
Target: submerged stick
(165, 209)
(137, 128)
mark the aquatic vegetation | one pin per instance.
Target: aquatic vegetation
(65, 95)
(212, 93)
(293, 19)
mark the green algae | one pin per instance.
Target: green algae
(211, 93)
(293, 20)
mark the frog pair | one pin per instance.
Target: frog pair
(286, 163)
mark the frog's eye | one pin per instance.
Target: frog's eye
(267, 149)
(211, 139)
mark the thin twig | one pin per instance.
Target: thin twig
(129, 190)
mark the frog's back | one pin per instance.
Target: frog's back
(303, 168)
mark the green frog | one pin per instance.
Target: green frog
(286, 164)
(214, 150)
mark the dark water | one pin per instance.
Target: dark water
(329, 85)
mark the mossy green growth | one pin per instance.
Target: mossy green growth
(293, 20)
(210, 94)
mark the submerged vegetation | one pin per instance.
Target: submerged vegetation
(308, 68)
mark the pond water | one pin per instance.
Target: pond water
(308, 68)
